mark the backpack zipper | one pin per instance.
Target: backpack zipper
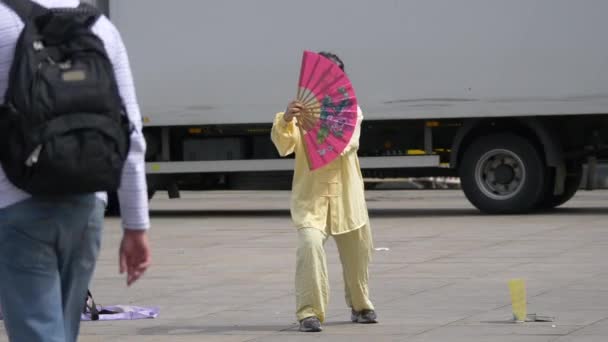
(33, 158)
(38, 47)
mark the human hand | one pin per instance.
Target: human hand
(134, 254)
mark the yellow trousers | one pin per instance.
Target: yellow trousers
(312, 285)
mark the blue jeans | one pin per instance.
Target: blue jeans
(48, 250)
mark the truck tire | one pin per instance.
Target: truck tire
(571, 186)
(503, 174)
(155, 183)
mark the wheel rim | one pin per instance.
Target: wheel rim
(500, 174)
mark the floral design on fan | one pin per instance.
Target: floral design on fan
(324, 151)
(331, 120)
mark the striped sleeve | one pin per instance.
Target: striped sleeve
(132, 194)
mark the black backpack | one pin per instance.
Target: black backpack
(63, 129)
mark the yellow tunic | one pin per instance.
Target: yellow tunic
(336, 189)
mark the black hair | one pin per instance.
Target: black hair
(333, 57)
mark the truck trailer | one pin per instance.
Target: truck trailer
(511, 96)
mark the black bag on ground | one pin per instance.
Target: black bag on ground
(63, 129)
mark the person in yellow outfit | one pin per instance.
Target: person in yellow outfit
(327, 202)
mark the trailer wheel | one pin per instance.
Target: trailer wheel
(503, 174)
(155, 182)
(571, 186)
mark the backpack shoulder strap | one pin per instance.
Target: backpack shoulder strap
(93, 11)
(86, 13)
(25, 9)
(88, 8)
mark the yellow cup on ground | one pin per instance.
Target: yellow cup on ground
(517, 287)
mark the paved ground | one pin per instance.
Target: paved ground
(224, 264)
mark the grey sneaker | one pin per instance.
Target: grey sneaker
(310, 324)
(364, 316)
